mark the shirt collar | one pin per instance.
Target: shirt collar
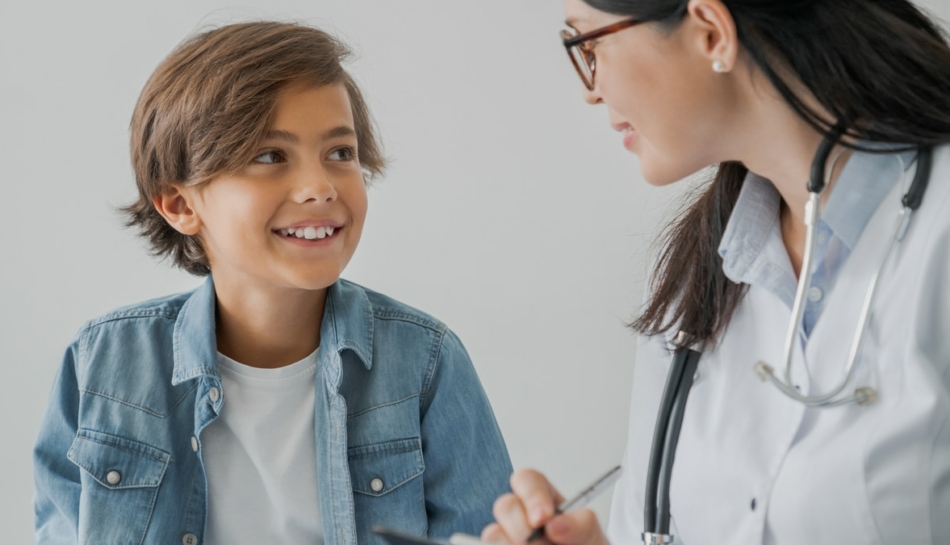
(347, 324)
(753, 217)
(752, 231)
(860, 190)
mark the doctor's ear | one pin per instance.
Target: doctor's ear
(714, 33)
(175, 205)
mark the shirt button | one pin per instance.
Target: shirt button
(752, 505)
(815, 294)
(194, 443)
(376, 484)
(189, 539)
(113, 477)
(214, 394)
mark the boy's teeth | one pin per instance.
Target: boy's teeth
(309, 232)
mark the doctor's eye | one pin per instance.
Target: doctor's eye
(344, 153)
(269, 157)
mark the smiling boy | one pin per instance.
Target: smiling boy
(276, 403)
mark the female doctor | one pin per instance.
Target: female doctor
(852, 443)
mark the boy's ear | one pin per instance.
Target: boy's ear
(174, 204)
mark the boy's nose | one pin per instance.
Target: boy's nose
(315, 185)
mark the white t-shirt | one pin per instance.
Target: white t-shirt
(260, 456)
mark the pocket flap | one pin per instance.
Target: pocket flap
(116, 462)
(380, 468)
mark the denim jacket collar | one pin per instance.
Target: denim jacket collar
(347, 324)
(348, 321)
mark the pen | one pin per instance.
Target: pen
(582, 499)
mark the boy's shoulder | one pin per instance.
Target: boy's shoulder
(162, 308)
(385, 307)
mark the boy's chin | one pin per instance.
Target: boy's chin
(312, 282)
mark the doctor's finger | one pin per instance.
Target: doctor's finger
(537, 495)
(511, 518)
(579, 527)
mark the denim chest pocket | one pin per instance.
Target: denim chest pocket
(120, 482)
(378, 469)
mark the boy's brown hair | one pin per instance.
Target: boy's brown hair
(208, 105)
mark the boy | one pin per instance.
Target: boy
(276, 403)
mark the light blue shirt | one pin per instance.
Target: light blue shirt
(752, 248)
(405, 436)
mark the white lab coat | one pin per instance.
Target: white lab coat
(865, 475)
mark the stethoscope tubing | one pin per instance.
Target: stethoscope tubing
(666, 434)
(910, 202)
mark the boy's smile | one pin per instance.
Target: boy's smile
(292, 217)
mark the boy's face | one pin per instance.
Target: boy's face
(293, 217)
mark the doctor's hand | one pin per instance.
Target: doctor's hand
(531, 505)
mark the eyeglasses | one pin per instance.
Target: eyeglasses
(581, 51)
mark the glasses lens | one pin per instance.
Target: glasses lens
(584, 62)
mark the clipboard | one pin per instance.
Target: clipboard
(394, 537)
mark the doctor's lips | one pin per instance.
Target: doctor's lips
(629, 133)
(310, 230)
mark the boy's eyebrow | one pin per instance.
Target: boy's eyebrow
(282, 135)
(286, 136)
(337, 132)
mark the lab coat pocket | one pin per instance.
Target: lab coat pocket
(120, 482)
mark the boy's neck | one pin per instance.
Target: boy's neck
(267, 327)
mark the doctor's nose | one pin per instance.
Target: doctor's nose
(592, 97)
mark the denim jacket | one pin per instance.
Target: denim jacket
(119, 457)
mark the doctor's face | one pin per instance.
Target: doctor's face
(660, 91)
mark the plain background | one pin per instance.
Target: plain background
(510, 211)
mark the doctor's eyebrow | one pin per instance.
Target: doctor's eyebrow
(572, 22)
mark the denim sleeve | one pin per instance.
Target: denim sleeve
(466, 461)
(56, 479)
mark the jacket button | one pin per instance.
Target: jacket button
(113, 477)
(376, 484)
(189, 539)
(194, 443)
(214, 394)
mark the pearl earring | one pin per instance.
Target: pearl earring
(718, 67)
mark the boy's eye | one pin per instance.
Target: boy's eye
(269, 157)
(346, 153)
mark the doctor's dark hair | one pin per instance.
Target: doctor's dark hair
(207, 106)
(881, 67)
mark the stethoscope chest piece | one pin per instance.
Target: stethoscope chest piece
(656, 539)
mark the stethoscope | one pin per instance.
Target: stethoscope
(669, 418)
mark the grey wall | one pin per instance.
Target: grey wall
(511, 210)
